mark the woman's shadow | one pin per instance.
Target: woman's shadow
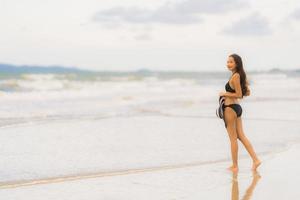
(250, 189)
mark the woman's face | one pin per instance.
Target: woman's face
(231, 64)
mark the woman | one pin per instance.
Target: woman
(236, 87)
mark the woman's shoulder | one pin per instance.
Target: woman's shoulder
(235, 76)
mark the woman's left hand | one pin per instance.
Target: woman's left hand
(222, 94)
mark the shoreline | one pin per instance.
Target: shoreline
(277, 178)
(95, 175)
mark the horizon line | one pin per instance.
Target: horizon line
(139, 69)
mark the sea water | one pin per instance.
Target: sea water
(63, 124)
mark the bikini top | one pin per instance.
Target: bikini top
(228, 88)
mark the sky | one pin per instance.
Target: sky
(123, 35)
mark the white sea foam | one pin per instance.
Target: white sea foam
(42, 95)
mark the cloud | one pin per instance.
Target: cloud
(296, 14)
(143, 37)
(179, 13)
(252, 25)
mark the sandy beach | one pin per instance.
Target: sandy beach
(159, 170)
(277, 178)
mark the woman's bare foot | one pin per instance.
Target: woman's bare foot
(233, 168)
(256, 164)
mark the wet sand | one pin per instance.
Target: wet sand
(277, 178)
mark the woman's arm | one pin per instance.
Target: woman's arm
(248, 89)
(237, 87)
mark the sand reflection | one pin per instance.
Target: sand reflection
(249, 192)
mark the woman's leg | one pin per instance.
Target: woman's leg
(246, 143)
(230, 118)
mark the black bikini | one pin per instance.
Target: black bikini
(236, 107)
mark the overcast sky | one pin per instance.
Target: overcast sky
(153, 34)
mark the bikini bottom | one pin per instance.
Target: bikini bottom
(237, 109)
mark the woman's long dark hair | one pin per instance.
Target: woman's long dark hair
(240, 69)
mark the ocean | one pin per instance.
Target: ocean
(58, 124)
